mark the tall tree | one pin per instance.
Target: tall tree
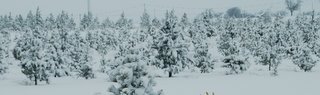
(129, 70)
(145, 20)
(79, 54)
(293, 5)
(171, 47)
(4, 51)
(32, 63)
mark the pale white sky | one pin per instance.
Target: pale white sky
(133, 8)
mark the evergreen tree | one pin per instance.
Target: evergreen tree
(50, 23)
(4, 51)
(53, 55)
(206, 18)
(79, 54)
(229, 42)
(30, 20)
(274, 46)
(107, 23)
(184, 22)
(129, 70)
(123, 23)
(32, 62)
(156, 23)
(38, 20)
(89, 22)
(64, 22)
(171, 47)
(306, 37)
(145, 20)
(19, 23)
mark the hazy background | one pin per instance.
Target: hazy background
(134, 8)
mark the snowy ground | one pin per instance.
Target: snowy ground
(256, 81)
(289, 83)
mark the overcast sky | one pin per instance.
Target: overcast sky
(133, 8)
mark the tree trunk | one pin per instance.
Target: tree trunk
(269, 66)
(35, 80)
(170, 74)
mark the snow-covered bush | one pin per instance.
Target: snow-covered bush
(86, 72)
(133, 80)
(305, 61)
(202, 58)
(236, 64)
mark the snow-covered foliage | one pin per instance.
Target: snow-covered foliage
(4, 51)
(203, 58)
(232, 47)
(172, 45)
(129, 70)
(32, 58)
(79, 55)
(88, 22)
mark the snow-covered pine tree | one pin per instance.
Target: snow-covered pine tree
(304, 58)
(32, 63)
(29, 21)
(79, 54)
(145, 20)
(258, 42)
(107, 23)
(199, 37)
(156, 23)
(7, 22)
(30, 50)
(202, 58)
(64, 22)
(93, 39)
(53, 55)
(206, 18)
(172, 46)
(38, 20)
(89, 22)
(184, 22)
(19, 23)
(50, 23)
(129, 71)
(4, 51)
(229, 46)
(304, 53)
(274, 45)
(33, 23)
(123, 23)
